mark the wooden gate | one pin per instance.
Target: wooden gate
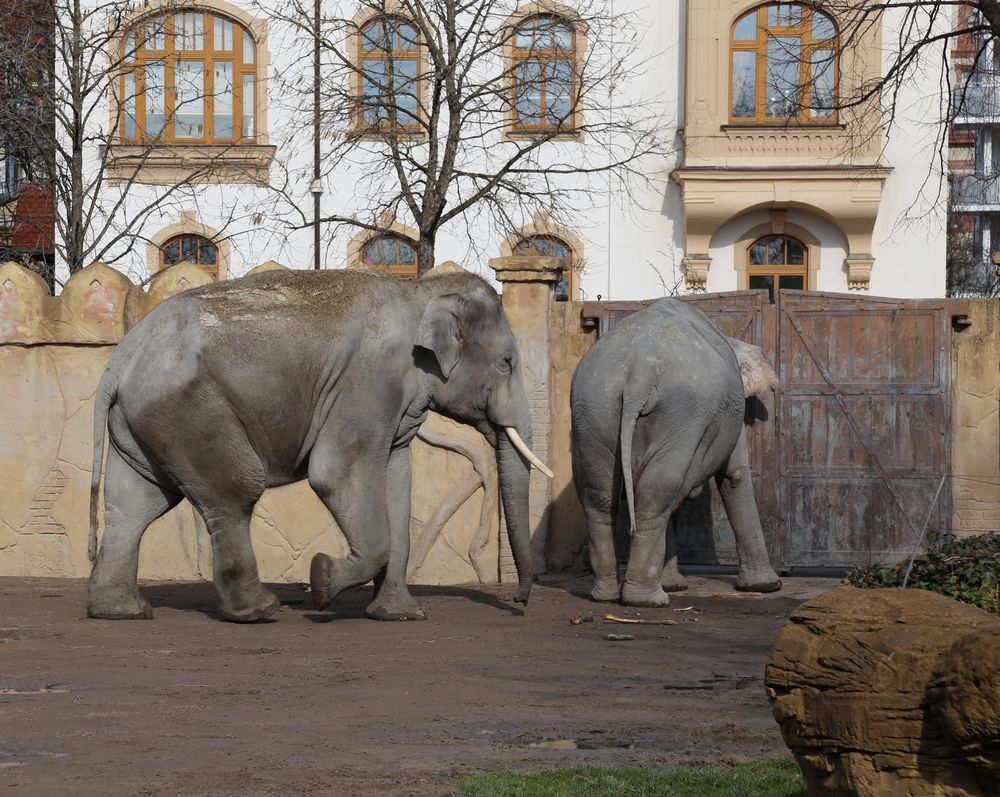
(849, 454)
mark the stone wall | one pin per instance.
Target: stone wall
(53, 351)
(52, 354)
(976, 420)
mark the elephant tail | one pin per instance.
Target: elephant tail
(107, 391)
(630, 415)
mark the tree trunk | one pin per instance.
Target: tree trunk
(425, 253)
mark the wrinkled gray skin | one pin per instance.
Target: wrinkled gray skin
(228, 389)
(658, 406)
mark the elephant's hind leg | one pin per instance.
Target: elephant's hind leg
(659, 490)
(131, 503)
(603, 557)
(671, 579)
(224, 484)
(597, 478)
(243, 598)
(736, 489)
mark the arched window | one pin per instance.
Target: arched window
(390, 254)
(188, 77)
(551, 246)
(777, 262)
(192, 249)
(783, 65)
(389, 58)
(544, 74)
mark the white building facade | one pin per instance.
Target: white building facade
(767, 182)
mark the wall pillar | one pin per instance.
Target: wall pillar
(527, 302)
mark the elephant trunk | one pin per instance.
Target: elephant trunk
(514, 472)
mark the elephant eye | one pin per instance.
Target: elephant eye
(506, 365)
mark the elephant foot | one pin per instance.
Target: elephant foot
(761, 580)
(606, 590)
(118, 603)
(644, 596)
(395, 608)
(675, 583)
(320, 575)
(263, 607)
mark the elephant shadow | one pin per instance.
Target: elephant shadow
(200, 597)
(352, 604)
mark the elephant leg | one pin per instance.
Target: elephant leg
(393, 600)
(603, 557)
(224, 484)
(355, 494)
(131, 503)
(658, 493)
(671, 579)
(736, 488)
(243, 598)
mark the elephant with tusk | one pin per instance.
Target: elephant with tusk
(234, 387)
(658, 407)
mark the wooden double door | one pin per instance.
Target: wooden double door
(850, 455)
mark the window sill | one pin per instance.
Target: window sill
(196, 164)
(374, 134)
(797, 127)
(513, 134)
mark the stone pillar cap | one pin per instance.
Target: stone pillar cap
(529, 268)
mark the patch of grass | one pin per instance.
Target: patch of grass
(759, 779)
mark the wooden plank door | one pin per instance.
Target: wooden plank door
(864, 418)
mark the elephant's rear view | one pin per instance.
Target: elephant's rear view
(658, 406)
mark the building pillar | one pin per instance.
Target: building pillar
(527, 297)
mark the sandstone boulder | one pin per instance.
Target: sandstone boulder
(890, 692)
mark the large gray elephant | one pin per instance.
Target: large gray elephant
(658, 407)
(231, 388)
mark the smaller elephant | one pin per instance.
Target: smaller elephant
(758, 376)
(658, 407)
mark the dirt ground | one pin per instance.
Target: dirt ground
(335, 704)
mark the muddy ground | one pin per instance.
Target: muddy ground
(335, 704)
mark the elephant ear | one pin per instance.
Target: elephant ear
(439, 331)
(756, 371)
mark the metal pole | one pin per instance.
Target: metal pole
(316, 190)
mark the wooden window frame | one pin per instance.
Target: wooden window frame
(807, 46)
(568, 272)
(361, 55)
(520, 54)
(136, 62)
(778, 270)
(391, 269)
(211, 268)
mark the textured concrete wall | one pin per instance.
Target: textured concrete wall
(52, 354)
(527, 303)
(975, 448)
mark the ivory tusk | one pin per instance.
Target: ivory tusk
(526, 452)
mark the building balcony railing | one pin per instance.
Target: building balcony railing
(976, 104)
(976, 193)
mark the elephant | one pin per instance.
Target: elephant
(230, 388)
(657, 409)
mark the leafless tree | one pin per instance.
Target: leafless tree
(447, 113)
(72, 79)
(960, 38)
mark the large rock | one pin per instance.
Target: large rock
(890, 692)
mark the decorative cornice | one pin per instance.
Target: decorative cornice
(529, 268)
(696, 271)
